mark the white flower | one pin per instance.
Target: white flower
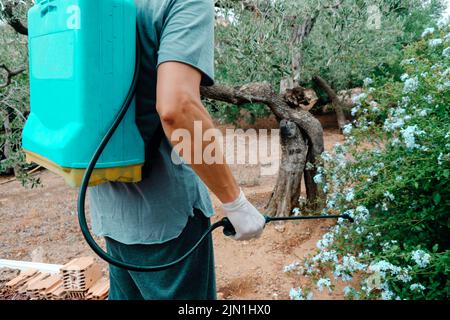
(406, 100)
(408, 61)
(446, 52)
(428, 99)
(440, 158)
(355, 110)
(359, 98)
(361, 213)
(367, 82)
(411, 84)
(326, 256)
(351, 264)
(421, 258)
(423, 112)
(326, 241)
(339, 148)
(324, 283)
(404, 277)
(340, 272)
(393, 123)
(331, 203)
(446, 72)
(347, 129)
(374, 106)
(348, 290)
(291, 267)
(350, 195)
(389, 195)
(434, 42)
(360, 230)
(297, 294)
(387, 295)
(383, 266)
(417, 287)
(326, 156)
(404, 77)
(409, 134)
(318, 178)
(443, 21)
(427, 31)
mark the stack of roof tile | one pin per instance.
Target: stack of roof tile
(42, 288)
(99, 291)
(14, 288)
(80, 273)
(79, 279)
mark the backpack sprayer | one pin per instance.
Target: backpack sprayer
(82, 61)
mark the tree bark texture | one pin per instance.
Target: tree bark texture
(287, 190)
(12, 20)
(302, 141)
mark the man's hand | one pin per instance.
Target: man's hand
(245, 218)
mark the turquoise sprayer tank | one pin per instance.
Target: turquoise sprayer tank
(82, 57)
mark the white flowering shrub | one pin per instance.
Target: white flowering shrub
(392, 175)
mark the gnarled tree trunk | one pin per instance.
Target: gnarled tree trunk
(294, 150)
(302, 141)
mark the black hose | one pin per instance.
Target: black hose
(225, 223)
(87, 175)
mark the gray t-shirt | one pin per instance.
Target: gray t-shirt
(156, 209)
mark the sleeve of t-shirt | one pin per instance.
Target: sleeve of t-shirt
(187, 36)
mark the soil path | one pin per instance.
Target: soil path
(41, 225)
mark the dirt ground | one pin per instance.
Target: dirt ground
(41, 225)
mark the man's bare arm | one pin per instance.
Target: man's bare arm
(179, 105)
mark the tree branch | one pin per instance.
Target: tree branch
(9, 75)
(335, 100)
(12, 20)
(246, 4)
(262, 92)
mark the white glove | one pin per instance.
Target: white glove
(245, 218)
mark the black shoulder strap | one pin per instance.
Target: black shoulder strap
(151, 150)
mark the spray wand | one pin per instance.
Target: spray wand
(228, 228)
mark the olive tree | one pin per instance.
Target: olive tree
(267, 51)
(14, 94)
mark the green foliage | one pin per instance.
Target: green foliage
(393, 175)
(343, 46)
(14, 103)
(14, 99)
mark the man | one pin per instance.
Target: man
(158, 219)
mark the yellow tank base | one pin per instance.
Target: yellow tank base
(73, 176)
